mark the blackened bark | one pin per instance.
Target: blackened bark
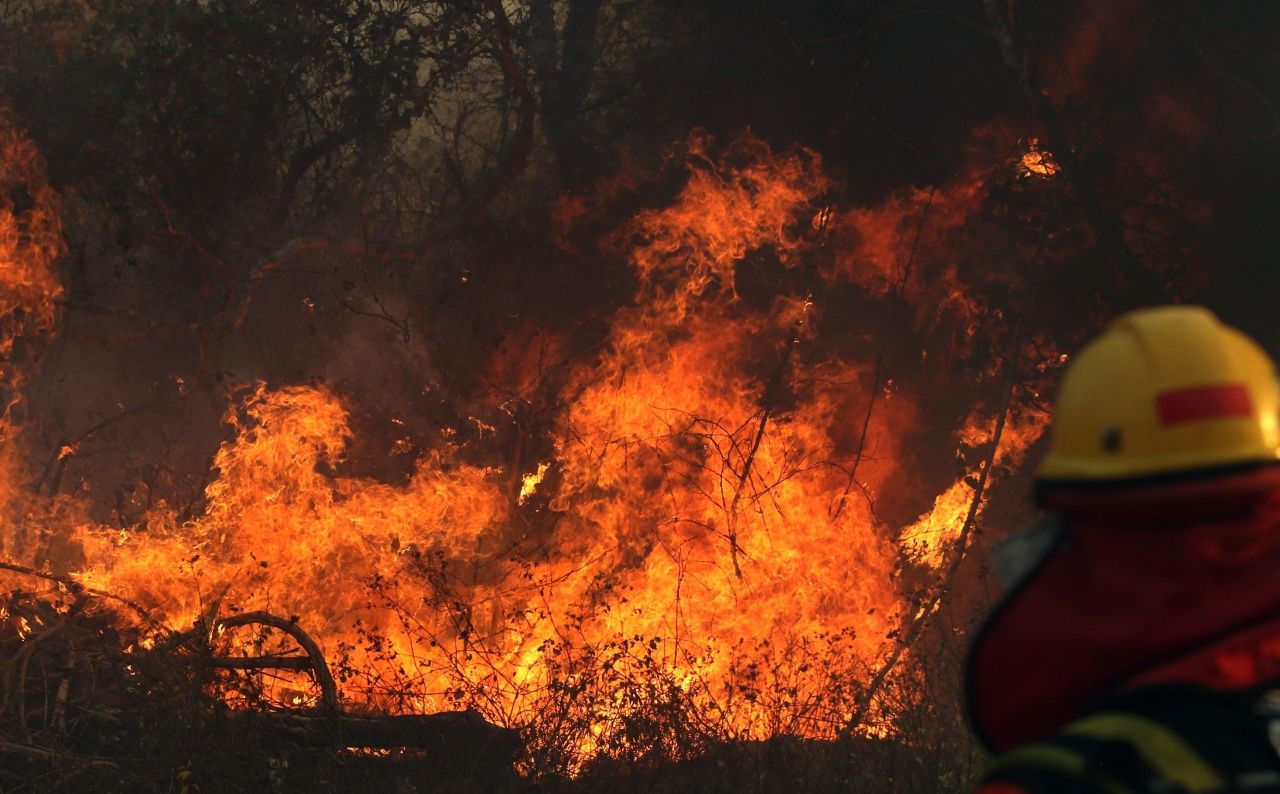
(565, 62)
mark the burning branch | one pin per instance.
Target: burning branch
(924, 611)
(314, 661)
(771, 392)
(75, 588)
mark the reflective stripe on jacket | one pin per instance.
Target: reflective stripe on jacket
(1170, 739)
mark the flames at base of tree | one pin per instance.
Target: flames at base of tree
(30, 244)
(703, 535)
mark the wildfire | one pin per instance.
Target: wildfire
(695, 548)
(1037, 161)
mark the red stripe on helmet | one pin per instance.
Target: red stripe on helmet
(1204, 402)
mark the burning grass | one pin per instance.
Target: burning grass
(91, 705)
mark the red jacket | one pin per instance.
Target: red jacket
(1168, 583)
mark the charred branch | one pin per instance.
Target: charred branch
(263, 663)
(315, 657)
(75, 587)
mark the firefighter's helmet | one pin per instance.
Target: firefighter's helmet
(1163, 391)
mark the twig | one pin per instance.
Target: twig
(66, 449)
(263, 663)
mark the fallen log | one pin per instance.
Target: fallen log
(422, 731)
(462, 739)
(262, 663)
(452, 734)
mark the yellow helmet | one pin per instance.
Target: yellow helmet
(1163, 391)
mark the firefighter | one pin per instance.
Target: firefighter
(1138, 648)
